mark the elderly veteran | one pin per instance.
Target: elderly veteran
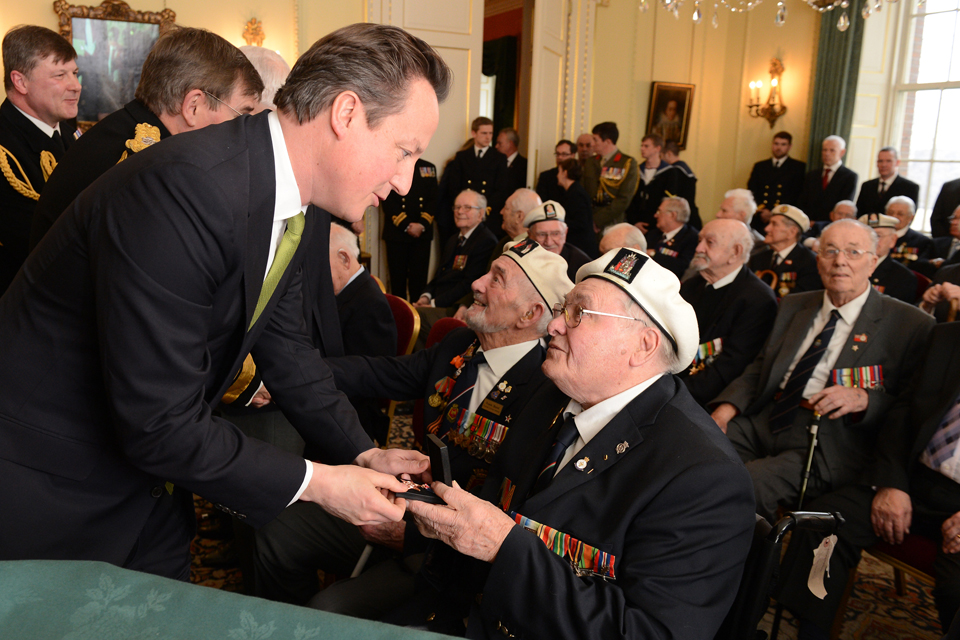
(890, 277)
(474, 383)
(547, 225)
(735, 310)
(673, 244)
(844, 353)
(785, 264)
(913, 249)
(623, 235)
(616, 509)
(738, 204)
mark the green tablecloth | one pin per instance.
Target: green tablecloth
(66, 600)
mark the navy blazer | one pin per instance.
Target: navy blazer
(816, 202)
(460, 266)
(129, 324)
(870, 201)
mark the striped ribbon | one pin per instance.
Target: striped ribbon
(862, 377)
(586, 560)
(477, 434)
(708, 350)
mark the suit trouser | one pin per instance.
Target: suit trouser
(301, 540)
(776, 461)
(163, 546)
(408, 263)
(935, 498)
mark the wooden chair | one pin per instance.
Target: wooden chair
(408, 329)
(383, 287)
(923, 283)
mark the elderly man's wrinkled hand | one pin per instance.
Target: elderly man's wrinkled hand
(470, 525)
(837, 401)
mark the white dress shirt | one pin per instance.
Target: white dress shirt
(497, 362)
(43, 126)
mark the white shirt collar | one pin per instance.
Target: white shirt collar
(477, 150)
(779, 161)
(850, 311)
(288, 193)
(43, 126)
(355, 275)
(903, 232)
(783, 254)
(833, 168)
(669, 235)
(512, 157)
(502, 359)
(466, 234)
(727, 279)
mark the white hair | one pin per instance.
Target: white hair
(272, 68)
(902, 200)
(343, 238)
(838, 140)
(743, 202)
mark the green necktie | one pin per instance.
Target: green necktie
(288, 246)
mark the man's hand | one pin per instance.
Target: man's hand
(415, 229)
(891, 514)
(840, 401)
(394, 461)
(951, 534)
(357, 495)
(939, 293)
(261, 398)
(470, 525)
(422, 301)
(723, 414)
(388, 534)
(642, 226)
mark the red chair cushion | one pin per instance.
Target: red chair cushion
(916, 551)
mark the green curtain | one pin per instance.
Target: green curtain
(835, 85)
(500, 59)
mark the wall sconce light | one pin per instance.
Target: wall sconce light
(253, 32)
(773, 108)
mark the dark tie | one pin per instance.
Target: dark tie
(567, 436)
(480, 152)
(288, 246)
(826, 178)
(883, 188)
(57, 141)
(788, 399)
(944, 440)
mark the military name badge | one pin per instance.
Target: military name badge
(460, 262)
(493, 407)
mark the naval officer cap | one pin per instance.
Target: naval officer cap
(547, 271)
(879, 221)
(793, 214)
(549, 210)
(656, 290)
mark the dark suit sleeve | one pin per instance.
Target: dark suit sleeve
(155, 284)
(397, 377)
(531, 588)
(848, 187)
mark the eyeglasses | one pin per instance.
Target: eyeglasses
(573, 314)
(465, 207)
(221, 102)
(852, 254)
(543, 235)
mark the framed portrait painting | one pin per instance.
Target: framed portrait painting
(670, 108)
(112, 41)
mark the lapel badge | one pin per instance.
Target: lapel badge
(495, 394)
(452, 414)
(508, 419)
(581, 464)
(855, 347)
(622, 447)
(435, 400)
(860, 337)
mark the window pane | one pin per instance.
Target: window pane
(935, 43)
(948, 130)
(919, 124)
(932, 6)
(955, 61)
(919, 172)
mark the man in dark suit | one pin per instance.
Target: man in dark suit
(947, 248)
(823, 188)
(735, 311)
(874, 194)
(777, 180)
(675, 241)
(155, 285)
(473, 384)
(911, 486)
(480, 168)
(548, 188)
(172, 97)
(515, 177)
(939, 296)
(785, 264)
(546, 224)
(408, 231)
(845, 353)
(889, 277)
(912, 249)
(947, 201)
(658, 180)
(617, 507)
(366, 321)
(40, 79)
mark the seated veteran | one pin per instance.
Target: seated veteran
(615, 509)
(547, 225)
(623, 234)
(735, 310)
(911, 486)
(942, 298)
(913, 249)
(845, 209)
(738, 204)
(515, 210)
(890, 277)
(474, 383)
(785, 264)
(947, 248)
(464, 259)
(673, 244)
(191, 79)
(845, 353)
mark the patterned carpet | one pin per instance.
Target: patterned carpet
(874, 610)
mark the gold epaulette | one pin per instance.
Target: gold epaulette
(47, 164)
(427, 217)
(242, 380)
(144, 135)
(397, 219)
(23, 187)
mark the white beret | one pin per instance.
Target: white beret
(656, 290)
(794, 214)
(547, 271)
(879, 221)
(549, 210)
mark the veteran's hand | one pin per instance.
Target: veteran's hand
(357, 495)
(837, 401)
(951, 534)
(422, 301)
(261, 398)
(891, 514)
(415, 229)
(723, 414)
(388, 534)
(394, 461)
(470, 525)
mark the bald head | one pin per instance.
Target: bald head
(518, 205)
(622, 235)
(344, 254)
(724, 246)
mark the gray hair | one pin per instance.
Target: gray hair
(743, 237)
(874, 238)
(893, 150)
(632, 236)
(848, 203)
(743, 202)
(272, 68)
(511, 134)
(377, 62)
(902, 200)
(343, 238)
(841, 141)
(678, 206)
(481, 200)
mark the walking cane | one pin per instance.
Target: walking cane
(814, 428)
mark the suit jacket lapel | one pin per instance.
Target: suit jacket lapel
(794, 335)
(861, 352)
